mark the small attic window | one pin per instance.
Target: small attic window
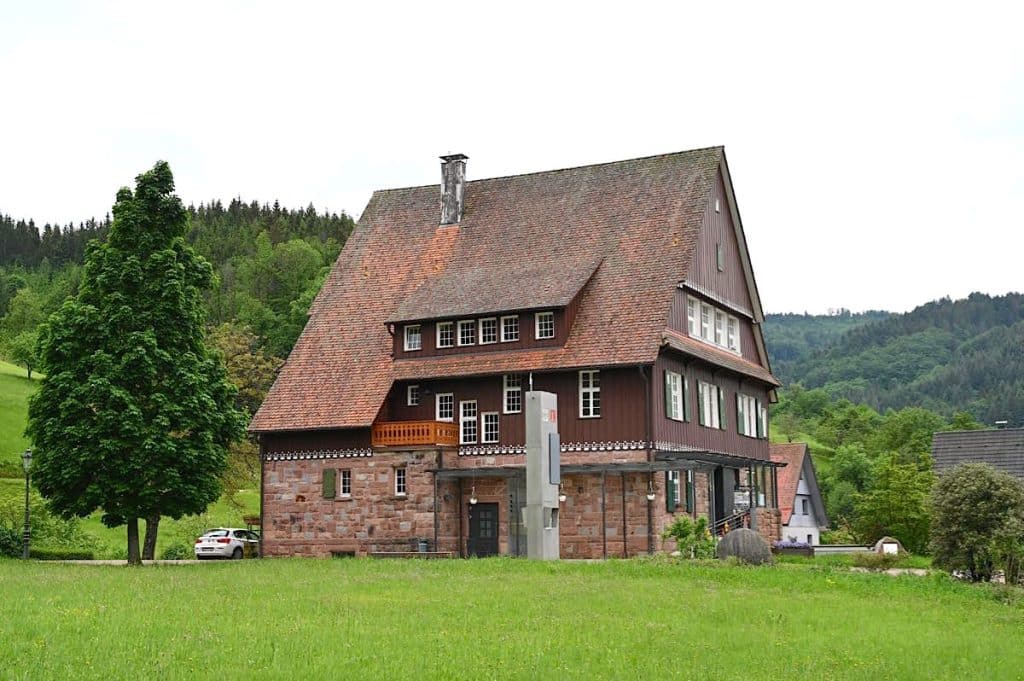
(413, 338)
(718, 206)
(720, 257)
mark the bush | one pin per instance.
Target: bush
(59, 554)
(10, 542)
(693, 539)
(177, 552)
(876, 561)
(978, 522)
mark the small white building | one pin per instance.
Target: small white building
(803, 511)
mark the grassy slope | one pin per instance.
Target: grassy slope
(15, 390)
(498, 618)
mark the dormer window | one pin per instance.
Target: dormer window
(445, 334)
(510, 329)
(413, 338)
(467, 332)
(488, 331)
(544, 325)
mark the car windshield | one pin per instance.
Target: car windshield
(216, 533)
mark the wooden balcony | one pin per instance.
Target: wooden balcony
(399, 434)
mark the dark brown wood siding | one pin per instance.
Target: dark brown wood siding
(693, 434)
(622, 405)
(316, 440)
(731, 284)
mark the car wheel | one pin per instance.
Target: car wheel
(237, 553)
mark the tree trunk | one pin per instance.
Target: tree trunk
(149, 543)
(133, 542)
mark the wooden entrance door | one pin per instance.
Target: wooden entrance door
(483, 530)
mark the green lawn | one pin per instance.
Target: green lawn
(15, 390)
(498, 618)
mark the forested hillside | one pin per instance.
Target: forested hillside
(946, 356)
(270, 263)
(792, 337)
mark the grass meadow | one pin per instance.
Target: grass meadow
(15, 390)
(499, 618)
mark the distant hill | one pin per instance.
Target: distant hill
(947, 356)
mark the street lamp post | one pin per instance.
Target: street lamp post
(26, 462)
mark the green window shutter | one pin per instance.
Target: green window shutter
(741, 421)
(670, 493)
(687, 407)
(668, 395)
(689, 492)
(721, 408)
(329, 474)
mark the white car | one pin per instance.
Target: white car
(228, 542)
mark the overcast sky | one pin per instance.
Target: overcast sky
(877, 150)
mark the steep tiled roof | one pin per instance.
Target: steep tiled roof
(792, 454)
(709, 353)
(1003, 449)
(524, 240)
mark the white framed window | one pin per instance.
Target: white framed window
(346, 482)
(444, 409)
(693, 316)
(412, 396)
(762, 424)
(467, 422)
(674, 396)
(706, 321)
(673, 488)
(590, 394)
(413, 337)
(711, 408)
(400, 486)
(488, 330)
(445, 334)
(733, 335)
(490, 420)
(544, 325)
(805, 507)
(510, 328)
(748, 416)
(512, 394)
(467, 332)
(719, 328)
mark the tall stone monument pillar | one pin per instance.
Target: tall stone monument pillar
(543, 474)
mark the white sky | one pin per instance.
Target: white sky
(877, 149)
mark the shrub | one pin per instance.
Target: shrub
(693, 539)
(10, 542)
(876, 561)
(59, 554)
(177, 551)
(978, 522)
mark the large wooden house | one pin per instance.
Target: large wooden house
(624, 288)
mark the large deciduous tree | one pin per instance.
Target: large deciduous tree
(135, 413)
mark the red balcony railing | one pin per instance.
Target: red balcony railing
(414, 434)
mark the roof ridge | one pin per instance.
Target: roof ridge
(559, 170)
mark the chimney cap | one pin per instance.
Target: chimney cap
(454, 157)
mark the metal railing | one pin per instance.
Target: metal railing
(725, 525)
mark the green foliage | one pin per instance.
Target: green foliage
(841, 535)
(896, 504)
(60, 554)
(10, 542)
(178, 551)
(135, 413)
(978, 522)
(876, 561)
(692, 537)
(22, 350)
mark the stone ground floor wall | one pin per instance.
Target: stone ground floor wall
(299, 521)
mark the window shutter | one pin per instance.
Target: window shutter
(670, 493)
(687, 407)
(741, 421)
(329, 474)
(689, 492)
(668, 395)
(702, 408)
(721, 408)
(760, 419)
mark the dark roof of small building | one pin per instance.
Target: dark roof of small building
(797, 458)
(1003, 449)
(616, 237)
